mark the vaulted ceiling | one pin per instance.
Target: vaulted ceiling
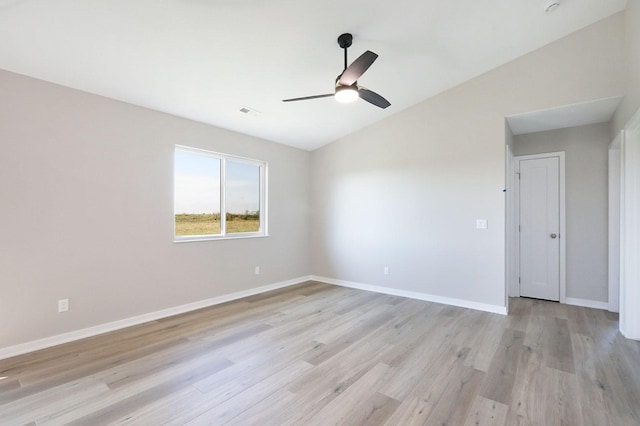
(207, 59)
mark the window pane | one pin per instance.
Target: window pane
(242, 197)
(197, 194)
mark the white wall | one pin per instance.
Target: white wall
(630, 225)
(586, 153)
(86, 188)
(406, 192)
(631, 102)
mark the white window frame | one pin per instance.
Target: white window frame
(263, 167)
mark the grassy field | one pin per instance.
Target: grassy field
(204, 224)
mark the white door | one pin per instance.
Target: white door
(540, 228)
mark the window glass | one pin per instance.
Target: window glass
(242, 195)
(197, 194)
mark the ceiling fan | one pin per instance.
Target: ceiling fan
(347, 89)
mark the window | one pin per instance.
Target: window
(218, 196)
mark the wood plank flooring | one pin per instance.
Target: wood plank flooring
(316, 354)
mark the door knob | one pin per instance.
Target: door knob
(553, 235)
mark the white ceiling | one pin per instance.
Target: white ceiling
(598, 111)
(205, 59)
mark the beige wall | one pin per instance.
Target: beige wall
(631, 102)
(586, 160)
(86, 188)
(406, 192)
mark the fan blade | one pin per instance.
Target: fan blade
(373, 98)
(309, 97)
(357, 68)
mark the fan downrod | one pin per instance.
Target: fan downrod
(345, 40)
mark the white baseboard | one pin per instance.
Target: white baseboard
(586, 303)
(496, 309)
(71, 336)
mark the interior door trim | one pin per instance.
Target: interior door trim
(563, 232)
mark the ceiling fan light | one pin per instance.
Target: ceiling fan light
(346, 94)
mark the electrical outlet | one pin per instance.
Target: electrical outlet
(257, 270)
(63, 305)
(386, 270)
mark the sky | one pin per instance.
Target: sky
(197, 185)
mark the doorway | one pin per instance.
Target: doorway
(540, 221)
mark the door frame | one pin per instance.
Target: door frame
(562, 232)
(615, 204)
(630, 230)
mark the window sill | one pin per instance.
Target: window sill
(191, 239)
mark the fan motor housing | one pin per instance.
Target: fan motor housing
(345, 40)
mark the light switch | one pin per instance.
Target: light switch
(481, 224)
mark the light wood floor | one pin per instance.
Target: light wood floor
(320, 355)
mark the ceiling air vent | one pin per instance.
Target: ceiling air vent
(249, 111)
